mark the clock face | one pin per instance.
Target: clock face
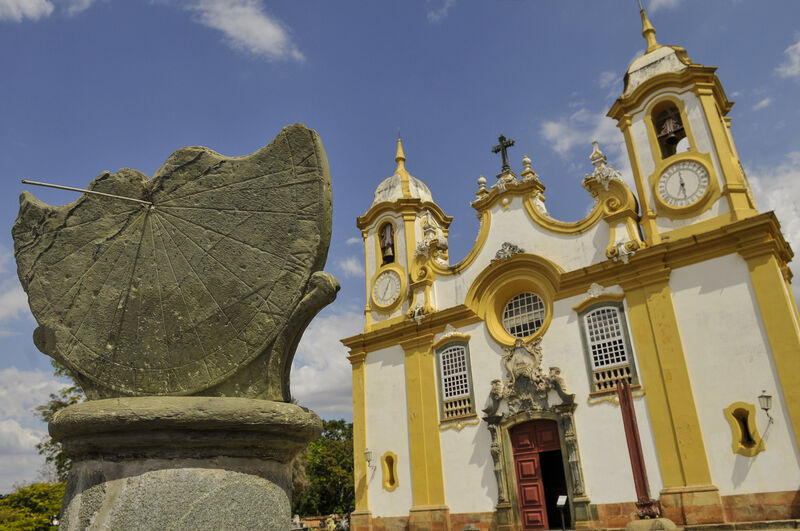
(386, 288)
(683, 184)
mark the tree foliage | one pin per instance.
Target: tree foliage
(30, 508)
(329, 472)
(47, 447)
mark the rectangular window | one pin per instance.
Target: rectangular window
(608, 347)
(455, 384)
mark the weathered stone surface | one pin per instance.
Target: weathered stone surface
(650, 524)
(184, 427)
(206, 292)
(224, 493)
(181, 462)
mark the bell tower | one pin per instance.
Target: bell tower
(400, 225)
(673, 115)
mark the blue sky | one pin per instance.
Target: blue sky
(93, 85)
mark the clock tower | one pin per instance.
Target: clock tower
(402, 229)
(673, 115)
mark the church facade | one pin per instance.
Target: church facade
(485, 390)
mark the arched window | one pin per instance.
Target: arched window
(386, 238)
(455, 382)
(607, 346)
(669, 129)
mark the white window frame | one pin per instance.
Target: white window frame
(460, 404)
(604, 373)
(538, 314)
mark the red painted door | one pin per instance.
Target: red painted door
(527, 441)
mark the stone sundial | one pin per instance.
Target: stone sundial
(202, 288)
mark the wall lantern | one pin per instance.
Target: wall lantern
(368, 456)
(765, 402)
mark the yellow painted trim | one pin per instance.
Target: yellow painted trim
(648, 216)
(708, 225)
(402, 206)
(497, 284)
(662, 365)
(401, 272)
(410, 232)
(427, 477)
(736, 189)
(390, 480)
(459, 424)
(711, 195)
(611, 397)
(694, 74)
(511, 189)
(450, 338)
(761, 232)
(562, 227)
(780, 323)
(360, 467)
(736, 430)
(483, 233)
(367, 308)
(591, 301)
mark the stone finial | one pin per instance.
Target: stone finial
(597, 157)
(526, 162)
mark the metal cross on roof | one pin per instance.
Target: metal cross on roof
(505, 143)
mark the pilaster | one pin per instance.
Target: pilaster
(360, 472)
(777, 307)
(427, 479)
(688, 496)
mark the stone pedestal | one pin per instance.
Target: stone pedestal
(181, 462)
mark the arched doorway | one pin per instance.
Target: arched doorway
(539, 469)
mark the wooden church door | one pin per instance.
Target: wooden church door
(528, 441)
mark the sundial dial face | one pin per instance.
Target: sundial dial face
(205, 292)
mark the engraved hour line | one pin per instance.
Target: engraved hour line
(84, 191)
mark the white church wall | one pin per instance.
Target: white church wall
(728, 357)
(387, 429)
(599, 429)
(470, 485)
(515, 226)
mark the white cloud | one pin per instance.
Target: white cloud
(248, 27)
(577, 131)
(76, 6)
(13, 301)
(435, 15)
(351, 267)
(21, 391)
(791, 67)
(321, 373)
(777, 189)
(763, 103)
(607, 78)
(20, 430)
(17, 10)
(353, 241)
(656, 5)
(15, 439)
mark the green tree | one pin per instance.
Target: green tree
(30, 508)
(329, 472)
(47, 447)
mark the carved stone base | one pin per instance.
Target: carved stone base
(361, 521)
(181, 462)
(695, 504)
(429, 518)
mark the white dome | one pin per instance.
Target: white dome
(391, 189)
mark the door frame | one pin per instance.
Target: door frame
(508, 509)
